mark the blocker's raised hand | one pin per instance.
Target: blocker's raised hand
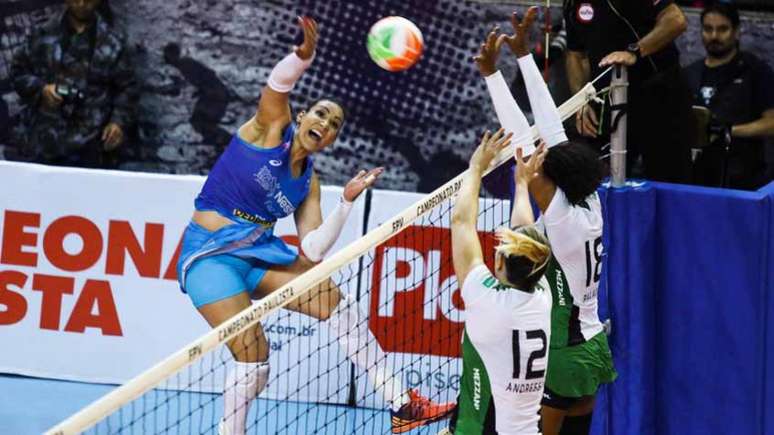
(519, 42)
(488, 53)
(527, 169)
(490, 147)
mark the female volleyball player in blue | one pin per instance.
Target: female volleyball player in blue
(564, 187)
(231, 255)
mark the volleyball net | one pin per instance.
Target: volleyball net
(399, 274)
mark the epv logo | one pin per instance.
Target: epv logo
(416, 305)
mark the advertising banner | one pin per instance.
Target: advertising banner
(89, 292)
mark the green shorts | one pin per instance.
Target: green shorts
(577, 371)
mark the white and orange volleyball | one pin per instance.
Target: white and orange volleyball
(395, 43)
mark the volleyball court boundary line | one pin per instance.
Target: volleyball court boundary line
(134, 388)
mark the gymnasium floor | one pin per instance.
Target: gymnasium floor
(30, 406)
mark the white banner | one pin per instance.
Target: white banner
(415, 307)
(88, 288)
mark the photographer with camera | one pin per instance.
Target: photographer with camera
(735, 86)
(74, 77)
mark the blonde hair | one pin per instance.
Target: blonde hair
(526, 242)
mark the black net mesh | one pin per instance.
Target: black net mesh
(408, 302)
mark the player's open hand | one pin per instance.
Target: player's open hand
(529, 168)
(361, 181)
(488, 53)
(490, 147)
(309, 26)
(519, 42)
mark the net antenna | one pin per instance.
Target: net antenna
(111, 402)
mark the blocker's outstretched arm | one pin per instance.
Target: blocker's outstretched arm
(466, 248)
(509, 114)
(547, 118)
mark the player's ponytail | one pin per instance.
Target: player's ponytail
(526, 253)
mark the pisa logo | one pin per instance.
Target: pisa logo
(416, 305)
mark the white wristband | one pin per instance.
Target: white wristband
(547, 118)
(318, 242)
(287, 72)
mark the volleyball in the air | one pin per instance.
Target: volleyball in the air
(395, 43)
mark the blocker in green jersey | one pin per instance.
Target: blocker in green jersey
(507, 314)
(564, 187)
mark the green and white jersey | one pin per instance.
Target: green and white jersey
(575, 234)
(504, 356)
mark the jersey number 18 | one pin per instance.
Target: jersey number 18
(593, 260)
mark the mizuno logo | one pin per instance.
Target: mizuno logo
(275, 162)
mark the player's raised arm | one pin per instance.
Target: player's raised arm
(509, 114)
(466, 248)
(273, 112)
(547, 118)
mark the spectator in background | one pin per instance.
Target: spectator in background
(640, 35)
(77, 87)
(736, 87)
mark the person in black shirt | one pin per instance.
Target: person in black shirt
(736, 87)
(639, 34)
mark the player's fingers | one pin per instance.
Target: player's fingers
(485, 137)
(492, 37)
(515, 20)
(496, 136)
(373, 174)
(530, 17)
(504, 142)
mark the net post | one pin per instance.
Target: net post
(618, 100)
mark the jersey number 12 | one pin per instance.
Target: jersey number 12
(540, 353)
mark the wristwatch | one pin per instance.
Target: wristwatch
(635, 50)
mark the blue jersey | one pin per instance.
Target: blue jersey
(255, 184)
